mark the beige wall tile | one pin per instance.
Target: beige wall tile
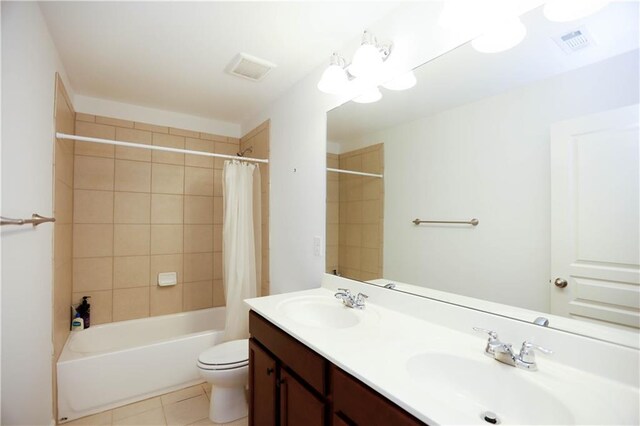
(132, 176)
(130, 240)
(218, 210)
(333, 213)
(198, 267)
(131, 271)
(166, 208)
(217, 265)
(93, 173)
(354, 235)
(168, 141)
(198, 238)
(101, 305)
(132, 207)
(94, 130)
(198, 181)
(371, 162)
(333, 191)
(371, 211)
(372, 189)
(92, 240)
(114, 121)
(217, 183)
(166, 239)
(135, 136)
(332, 234)
(217, 238)
(151, 127)
(224, 148)
(91, 274)
(130, 303)
(62, 242)
(183, 132)
(197, 295)
(198, 160)
(354, 212)
(165, 263)
(63, 164)
(212, 137)
(80, 116)
(198, 209)
(93, 206)
(218, 293)
(63, 203)
(371, 236)
(167, 179)
(165, 300)
(353, 257)
(370, 260)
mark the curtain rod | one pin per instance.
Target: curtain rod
(351, 172)
(157, 148)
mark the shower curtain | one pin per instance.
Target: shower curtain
(241, 244)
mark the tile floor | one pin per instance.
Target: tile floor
(188, 406)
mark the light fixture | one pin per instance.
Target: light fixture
(402, 82)
(571, 10)
(369, 57)
(502, 37)
(334, 80)
(370, 95)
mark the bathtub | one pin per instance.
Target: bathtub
(109, 365)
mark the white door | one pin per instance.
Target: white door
(595, 217)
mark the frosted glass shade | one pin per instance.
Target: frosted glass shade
(370, 96)
(503, 37)
(334, 80)
(402, 82)
(366, 61)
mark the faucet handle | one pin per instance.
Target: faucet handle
(528, 355)
(360, 298)
(492, 334)
(346, 291)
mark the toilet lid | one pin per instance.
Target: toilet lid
(226, 355)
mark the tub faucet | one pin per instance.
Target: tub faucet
(349, 300)
(504, 352)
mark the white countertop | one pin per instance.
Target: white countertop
(378, 349)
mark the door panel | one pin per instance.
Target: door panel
(595, 217)
(262, 382)
(298, 406)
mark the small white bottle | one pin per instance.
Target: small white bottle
(77, 324)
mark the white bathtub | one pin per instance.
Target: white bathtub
(109, 365)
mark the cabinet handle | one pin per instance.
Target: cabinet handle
(269, 371)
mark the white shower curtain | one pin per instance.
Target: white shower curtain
(241, 244)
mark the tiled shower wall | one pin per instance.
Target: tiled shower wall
(333, 215)
(140, 212)
(258, 141)
(361, 209)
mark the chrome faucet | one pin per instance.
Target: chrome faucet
(503, 352)
(349, 300)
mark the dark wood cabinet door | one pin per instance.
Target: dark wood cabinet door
(298, 405)
(262, 383)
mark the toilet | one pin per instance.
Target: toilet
(226, 367)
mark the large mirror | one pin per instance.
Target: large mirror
(538, 143)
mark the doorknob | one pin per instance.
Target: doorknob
(560, 283)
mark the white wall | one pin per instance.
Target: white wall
(298, 142)
(490, 160)
(156, 116)
(29, 64)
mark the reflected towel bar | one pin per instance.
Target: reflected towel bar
(473, 221)
(35, 220)
(352, 172)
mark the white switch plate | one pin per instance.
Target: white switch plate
(167, 278)
(317, 246)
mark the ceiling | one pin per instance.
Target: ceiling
(172, 55)
(465, 75)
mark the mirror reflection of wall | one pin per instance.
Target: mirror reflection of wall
(473, 139)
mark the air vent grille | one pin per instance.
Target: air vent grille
(249, 67)
(575, 40)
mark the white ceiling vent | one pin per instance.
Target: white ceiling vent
(575, 40)
(249, 67)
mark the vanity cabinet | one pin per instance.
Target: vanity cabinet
(290, 384)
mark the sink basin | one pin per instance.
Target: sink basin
(319, 312)
(476, 386)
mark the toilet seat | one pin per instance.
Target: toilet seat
(225, 356)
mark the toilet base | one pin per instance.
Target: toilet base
(228, 404)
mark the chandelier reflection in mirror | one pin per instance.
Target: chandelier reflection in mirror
(368, 70)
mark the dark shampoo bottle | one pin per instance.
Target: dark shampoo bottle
(84, 309)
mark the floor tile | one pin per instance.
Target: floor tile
(153, 417)
(240, 422)
(136, 408)
(182, 394)
(187, 411)
(103, 418)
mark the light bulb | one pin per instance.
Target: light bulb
(334, 79)
(402, 82)
(369, 96)
(503, 37)
(571, 10)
